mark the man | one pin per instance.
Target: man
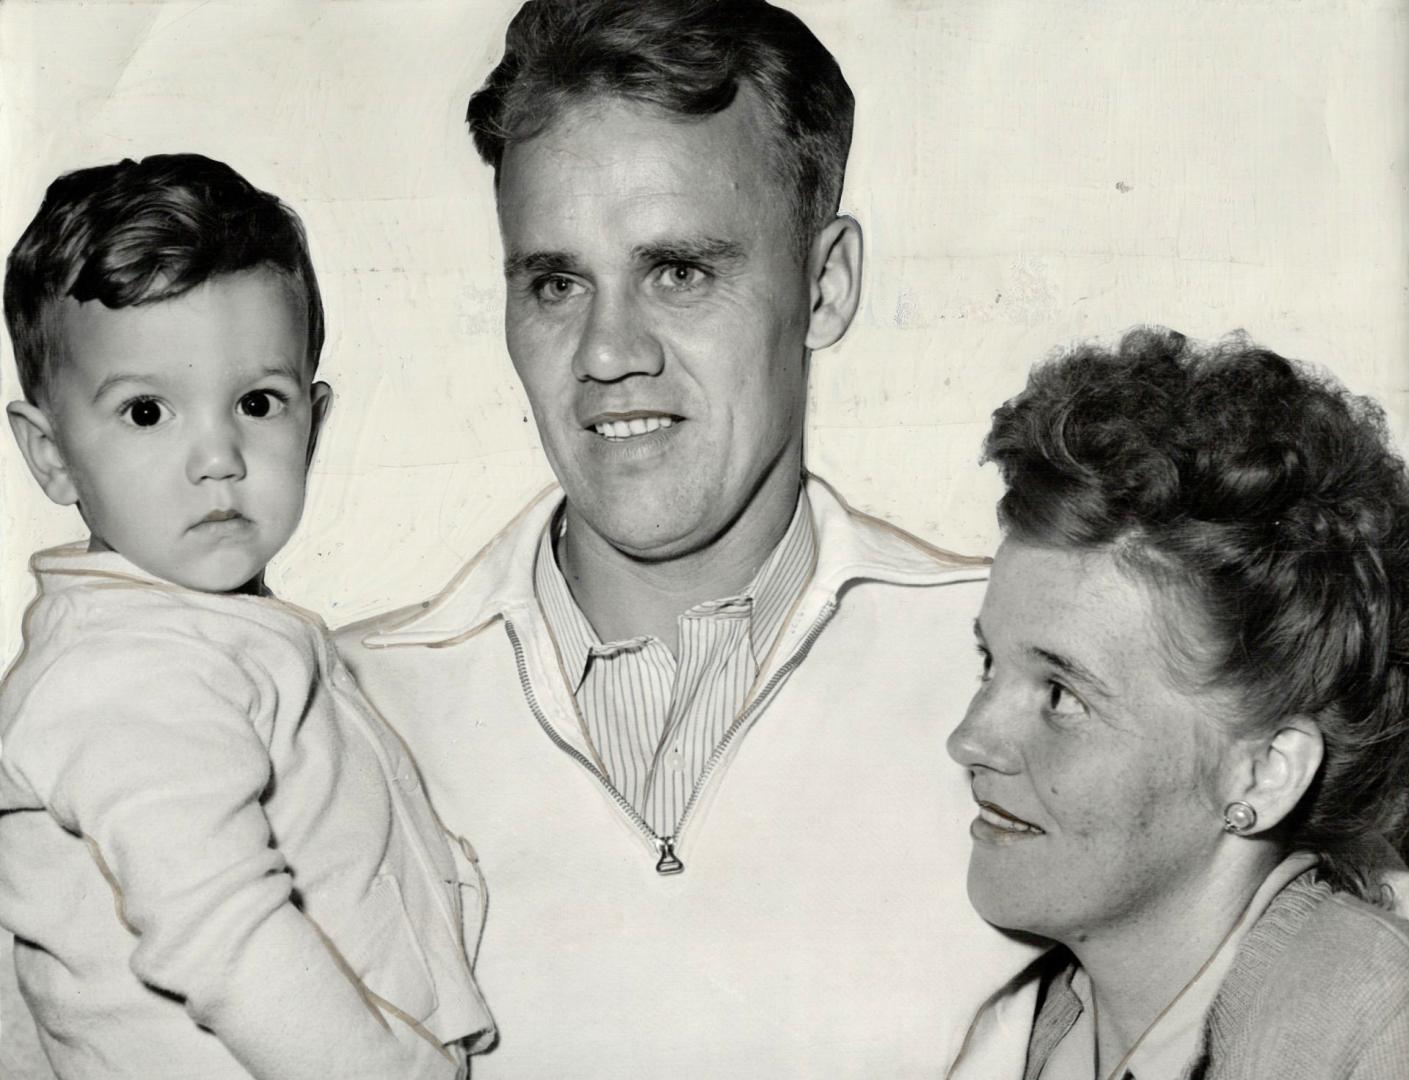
(691, 709)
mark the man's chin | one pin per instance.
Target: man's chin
(644, 529)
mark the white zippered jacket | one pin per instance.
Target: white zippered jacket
(820, 926)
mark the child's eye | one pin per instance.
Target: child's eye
(143, 412)
(261, 404)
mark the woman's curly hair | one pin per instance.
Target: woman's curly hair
(1272, 498)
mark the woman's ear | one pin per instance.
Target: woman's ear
(834, 271)
(321, 396)
(34, 432)
(1282, 768)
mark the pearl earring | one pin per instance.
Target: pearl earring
(1238, 818)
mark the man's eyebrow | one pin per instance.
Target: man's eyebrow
(538, 262)
(703, 249)
(978, 633)
(1075, 671)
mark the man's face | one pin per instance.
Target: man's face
(657, 314)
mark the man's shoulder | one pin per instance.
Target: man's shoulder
(352, 636)
(497, 578)
(854, 544)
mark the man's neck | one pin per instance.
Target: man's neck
(625, 597)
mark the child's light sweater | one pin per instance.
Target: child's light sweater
(216, 859)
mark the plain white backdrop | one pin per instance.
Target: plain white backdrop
(1028, 172)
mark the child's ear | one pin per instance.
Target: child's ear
(34, 432)
(321, 395)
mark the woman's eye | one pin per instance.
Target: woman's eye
(1063, 701)
(261, 404)
(143, 412)
(987, 661)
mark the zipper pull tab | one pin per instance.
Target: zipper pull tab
(668, 863)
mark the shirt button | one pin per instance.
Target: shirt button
(677, 761)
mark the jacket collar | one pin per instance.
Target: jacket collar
(71, 565)
(851, 546)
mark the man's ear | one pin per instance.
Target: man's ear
(34, 432)
(320, 394)
(1281, 769)
(834, 272)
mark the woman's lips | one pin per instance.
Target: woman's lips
(995, 817)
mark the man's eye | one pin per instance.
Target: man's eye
(261, 404)
(681, 277)
(143, 412)
(555, 288)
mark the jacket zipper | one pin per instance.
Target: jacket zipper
(792, 662)
(668, 862)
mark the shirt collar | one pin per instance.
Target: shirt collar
(499, 580)
(72, 565)
(768, 598)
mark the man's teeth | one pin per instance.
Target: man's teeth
(1006, 823)
(625, 429)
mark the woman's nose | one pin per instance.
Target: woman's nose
(983, 739)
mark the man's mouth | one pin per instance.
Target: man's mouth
(618, 426)
(994, 815)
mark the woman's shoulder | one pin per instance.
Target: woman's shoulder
(1320, 981)
(1352, 929)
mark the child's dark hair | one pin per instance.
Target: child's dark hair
(139, 232)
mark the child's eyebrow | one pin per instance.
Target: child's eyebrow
(286, 371)
(292, 372)
(120, 378)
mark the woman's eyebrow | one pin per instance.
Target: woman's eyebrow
(1072, 669)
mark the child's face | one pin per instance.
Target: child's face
(185, 427)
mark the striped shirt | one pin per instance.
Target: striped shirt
(655, 719)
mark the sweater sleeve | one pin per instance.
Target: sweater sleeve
(1386, 1052)
(144, 744)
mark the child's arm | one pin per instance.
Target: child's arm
(144, 745)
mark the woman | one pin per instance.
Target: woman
(1190, 743)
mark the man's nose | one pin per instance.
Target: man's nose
(216, 453)
(616, 341)
(984, 739)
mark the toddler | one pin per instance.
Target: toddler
(216, 859)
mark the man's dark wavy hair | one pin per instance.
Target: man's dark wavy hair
(1269, 497)
(688, 58)
(139, 232)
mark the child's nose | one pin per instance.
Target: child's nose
(216, 456)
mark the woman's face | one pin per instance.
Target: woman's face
(1093, 768)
